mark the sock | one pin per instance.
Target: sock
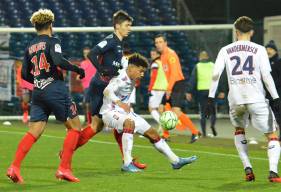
(242, 148)
(85, 135)
(164, 148)
(127, 141)
(23, 148)
(165, 134)
(118, 138)
(89, 118)
(70, 142)
(155, 114)
(273, 153)
(188, 123)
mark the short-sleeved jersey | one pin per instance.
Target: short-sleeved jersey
(245, 64)
(107, 55)
(172, 67)
(119, 88)
(38, 59)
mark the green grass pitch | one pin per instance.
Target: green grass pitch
(98, 163)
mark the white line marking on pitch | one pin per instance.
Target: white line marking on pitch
(143, 146)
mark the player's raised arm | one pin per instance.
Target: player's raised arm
(218, 69)
(59, 60)
(26, 68)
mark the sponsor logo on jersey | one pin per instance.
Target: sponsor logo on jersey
(244, 142)
(42, 83)
(243, 81)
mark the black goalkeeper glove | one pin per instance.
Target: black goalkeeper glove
(81, 73)
(210, 108)
(276, 105)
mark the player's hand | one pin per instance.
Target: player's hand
(168, 95)
(124, 106)
(276, 105)
(221, 95)
(210, 107)
(81, 73)
(188, 96)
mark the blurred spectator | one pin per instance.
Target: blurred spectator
(275, 63)
(90, 71)
(26, 91)
(157, 85)
(199, 84)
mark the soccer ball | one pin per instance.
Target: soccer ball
(168, 120)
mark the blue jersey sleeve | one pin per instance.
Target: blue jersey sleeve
(101, 48)
(58, 59)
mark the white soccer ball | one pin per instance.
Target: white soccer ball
(168, 120)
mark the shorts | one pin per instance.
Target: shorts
(115, 119)
(155, 98)
(53, 98)
(95, 94)
(261, 116)
(177, 96)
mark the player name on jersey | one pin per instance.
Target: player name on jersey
(238, 48)
(37, 47)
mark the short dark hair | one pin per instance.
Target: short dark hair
(161, 35)
(244, 24)
(138, 60)
(121, 16)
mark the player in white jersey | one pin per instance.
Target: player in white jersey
(247, 66)
(116, 114)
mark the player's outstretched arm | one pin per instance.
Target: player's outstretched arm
(59, 60)
(26, 69)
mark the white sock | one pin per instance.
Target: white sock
(127, 146)
(273, 153)
(164, 148)
(242, 148)
(155, 114)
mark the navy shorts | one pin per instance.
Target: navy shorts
(53, 98)
(177, 96)
(95, 93)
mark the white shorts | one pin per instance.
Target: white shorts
(155, 99)
(115, 119)
(260, 113)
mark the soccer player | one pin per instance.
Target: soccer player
(90, 71)
(44, 57)
(157, 86)
(174, 94)
(247, 66)
(116, 114)
(106, 57)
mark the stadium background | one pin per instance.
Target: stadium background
(85, 13)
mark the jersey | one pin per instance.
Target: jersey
(43, 57)
(90, 71)
(106, 56)
(246, 65)
(172, 67)
(119, 88)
